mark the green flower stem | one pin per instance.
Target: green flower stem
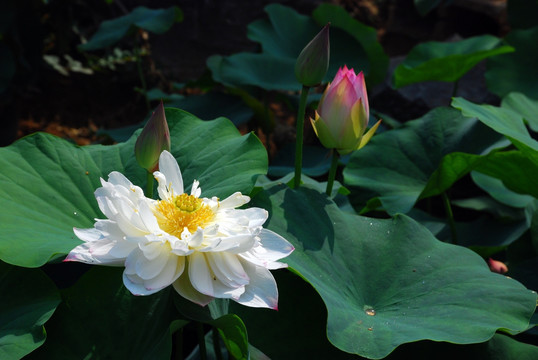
(216, 344)
(450, 216)
(179, 344)
(455, 88)
(201, 340)
(149, 186)
(299, 137)
(141, 74)
(332, 173)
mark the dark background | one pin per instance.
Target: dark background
(39, 98)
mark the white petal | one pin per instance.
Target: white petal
(87, 235)
(97, 248)
(148, 218)
(109, 229)
(170, 168)
(233, 244)
(129, 216)
(171, 272)
(184, 288)
(256, 216)
(228, 269)
(227, 292)
(211, 281)
(195, 190)
(108, 243)
(136, 285)
(131, 260)
(178, 246)
(122, 249)
(101, 249)
(148, 268)
(122, 211)
(162, 188)
(234, 200)
(272, 247)
(232, 221)
(196, 239)
(262, 290)
(105, 204)
(150, 249)
(85, 253)
(213, 203)
(123, 186)
(199, 274)
(117, 178)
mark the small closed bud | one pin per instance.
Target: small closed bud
(497, 266)
(343, 112)
(153, 140)
(313, 61)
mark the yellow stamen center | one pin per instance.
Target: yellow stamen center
(183, 211)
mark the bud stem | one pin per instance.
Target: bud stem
(201, 340)
(149, 186)
(299, 136)
(178, 335)
(216, 344)
(332, 173)
(138, 55)
(450, 216)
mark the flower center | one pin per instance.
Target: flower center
(183, 211)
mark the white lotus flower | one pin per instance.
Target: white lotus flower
(204, 248)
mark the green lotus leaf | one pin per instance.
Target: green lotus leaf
(48, 183)
(390, 282)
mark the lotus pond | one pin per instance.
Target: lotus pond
(277, 206)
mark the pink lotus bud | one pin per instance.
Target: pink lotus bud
(153, 140)
(313, 62)
(342, 115)
(497, 266)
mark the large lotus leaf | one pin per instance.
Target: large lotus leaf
(316, 161)
(213, 105)
(48, 183)
(390, 282)
(497, 190)
(110, 32)
(234, 334)
(286, 33)
(499, 347)
(423, 155)
(283, 36)
(525, 106)
(516, 170)
(310, 323)
(365, 35)
(206, 107)
(100, 319)
(210, 351)
(486, 234)
(263, 70)
(230, 327)
(446, 61)
(300, 311)
(28, 300)
(516, 71)
(504, 121)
